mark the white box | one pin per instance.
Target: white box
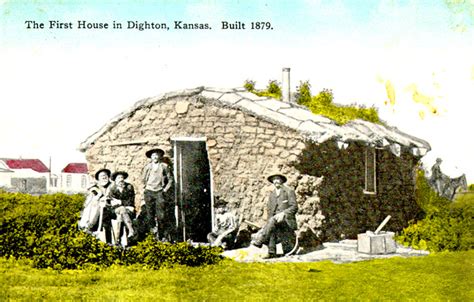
(382, 243)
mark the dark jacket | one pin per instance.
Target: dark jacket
(285, 202)
(127, 196)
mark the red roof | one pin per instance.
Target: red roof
(34, 164)
(75, 168)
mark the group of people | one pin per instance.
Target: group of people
(280, 226)
(111, 200)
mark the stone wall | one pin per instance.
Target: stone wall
(243, 149)
(348, 210)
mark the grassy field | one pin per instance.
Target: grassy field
(439, 277)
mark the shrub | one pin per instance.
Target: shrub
(249, 85)
(447, 225)
(273, 89)
(72, 250)
(449, 229)
(321, 104)
(155, 254)
(26, 218)
(44, 229)
(303, 93)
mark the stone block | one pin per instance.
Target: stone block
(370, 243)
(293, 158)
(273, 152)
(223, 112)
(211, 143)
(211, 94)
(181, 107)
(248, 129)
(230, 98)
(281, 142)
(284, 154)
(300, 146)
(297, 113)
(274, 104)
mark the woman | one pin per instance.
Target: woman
(95, 213)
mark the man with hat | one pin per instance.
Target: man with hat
(437, 178)
(122, 194)
(95, 207)
(156, 181)
(281, 222)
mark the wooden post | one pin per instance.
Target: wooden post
(384, 222)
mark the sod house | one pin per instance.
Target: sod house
(225, 142)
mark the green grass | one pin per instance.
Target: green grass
(438, 277)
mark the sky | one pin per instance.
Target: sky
(413, 60)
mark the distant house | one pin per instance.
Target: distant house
(25, 175)
(5, 175)
(74, 178)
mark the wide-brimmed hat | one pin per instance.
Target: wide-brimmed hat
(107, 171)
(123, 173)
(281, 176)
(156, 150)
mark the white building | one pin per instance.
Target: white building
(5, 175)
(74, 178)
(25, 175)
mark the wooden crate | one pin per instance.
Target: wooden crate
(381, 243)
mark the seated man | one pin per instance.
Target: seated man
(281, 222)
(122, 196)
(95, 214)
(226, 226)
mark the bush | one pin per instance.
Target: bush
(249, 85)
(273, 89)
(26, 218)
(447, 226)
(321, 103)
(155, 254)
(73, 250)
(449, 229)
(44, 229)
(303, 93)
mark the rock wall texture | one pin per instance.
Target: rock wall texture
(347, 208)
(243, 150)
(244, 147)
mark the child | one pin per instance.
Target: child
(226, 226)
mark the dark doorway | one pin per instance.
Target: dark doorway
(193, 189)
